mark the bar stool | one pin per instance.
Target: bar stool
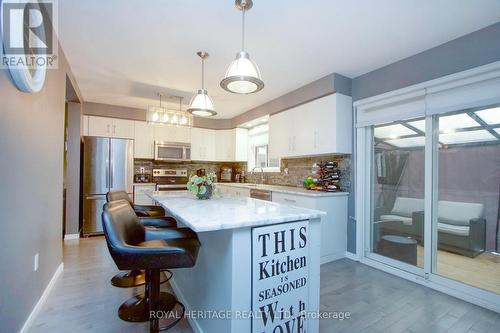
(133, 247)
(157, 219)
(140, 210)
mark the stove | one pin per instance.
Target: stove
(170, 179)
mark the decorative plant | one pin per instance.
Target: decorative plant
(201, 184)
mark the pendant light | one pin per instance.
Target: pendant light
(156, 114)
(162, 115)
(243, 75)
(201, 104)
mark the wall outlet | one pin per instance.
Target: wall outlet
(35, 263)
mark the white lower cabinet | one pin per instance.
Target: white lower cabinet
(140, 196)
(234, 191)
(333, 225)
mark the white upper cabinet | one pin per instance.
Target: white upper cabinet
(172, 133)
(123, 128)
(231, 145)
(224, 145)
(144, 140)
(109, 127)
(202, 144)
(206, 144)
(322, 126)
(240, 144)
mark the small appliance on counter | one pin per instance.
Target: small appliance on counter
(325, 177)
(142, 178)
(226, 175)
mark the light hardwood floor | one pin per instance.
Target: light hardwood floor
(84, 301)
(482, 271)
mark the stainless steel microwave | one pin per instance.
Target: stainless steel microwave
(172, 151)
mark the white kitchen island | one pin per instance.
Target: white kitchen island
(258, 266)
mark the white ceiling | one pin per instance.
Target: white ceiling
(123, 52)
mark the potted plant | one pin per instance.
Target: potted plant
(201, 184)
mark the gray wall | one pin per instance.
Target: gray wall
(31, 188)
(322, 87)
(475, 49)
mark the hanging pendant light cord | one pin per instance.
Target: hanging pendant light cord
(243, 30)
(202, 74)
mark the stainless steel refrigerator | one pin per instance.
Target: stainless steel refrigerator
(108, 165)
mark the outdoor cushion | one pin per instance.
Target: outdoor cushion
(404, 219)
(458, 213)
(459, 230)
(406, 206)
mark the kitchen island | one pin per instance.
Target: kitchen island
(258, 269)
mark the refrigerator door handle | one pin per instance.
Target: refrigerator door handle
(111, 165)
(93, 197)
(107, 163)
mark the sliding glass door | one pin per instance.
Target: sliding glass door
(397, 193)
(468, 198)
(434, 196)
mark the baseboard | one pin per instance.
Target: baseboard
(331, 257)
(42, 300)
(71, 236)
(180, 296)
(352, 256)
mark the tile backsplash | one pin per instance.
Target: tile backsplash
(190, 166)
(293, 170)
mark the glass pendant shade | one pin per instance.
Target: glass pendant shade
(162, 115)
(242, 76)
(202, 105)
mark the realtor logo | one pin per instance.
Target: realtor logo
(28, 33)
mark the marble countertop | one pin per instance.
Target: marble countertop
(221, 213)
(286, 189)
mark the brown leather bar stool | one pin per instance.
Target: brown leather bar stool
(140, 210)
(133, 246)
(137, 278)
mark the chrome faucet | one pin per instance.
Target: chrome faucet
(261, 175)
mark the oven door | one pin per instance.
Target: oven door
(170, 152)
(170, 187)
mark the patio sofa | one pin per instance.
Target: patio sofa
(461, 226)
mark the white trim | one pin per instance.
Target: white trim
(180, 296)
(42, 300)
(71, 236)
(473, 75)
(464, 90)
(441, 284)
(332, 257)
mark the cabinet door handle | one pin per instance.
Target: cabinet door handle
(107, 129)
(290, 200)
(114, 129)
